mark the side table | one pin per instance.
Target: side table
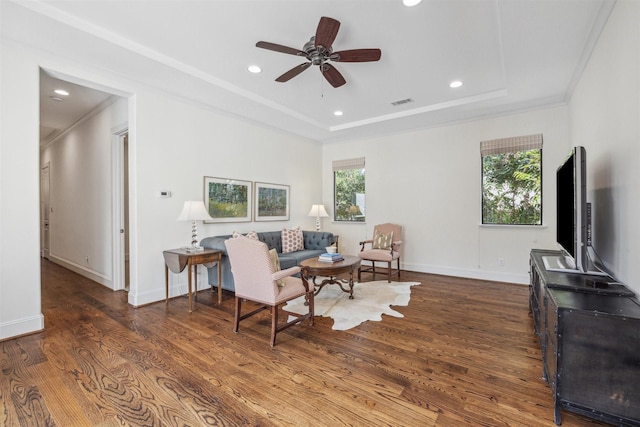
(177, 259)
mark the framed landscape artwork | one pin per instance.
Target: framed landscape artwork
(271, 202)
(227, 200)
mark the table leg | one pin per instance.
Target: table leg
(219, 282)
(351, 284)
(166, 284)
(189, 280)
(195, 278)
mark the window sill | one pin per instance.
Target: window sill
(536, 227)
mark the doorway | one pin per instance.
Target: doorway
(84, 200)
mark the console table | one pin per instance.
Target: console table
(177, 259)
(589, 332)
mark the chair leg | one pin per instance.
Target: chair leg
(389, 271)
(274, 324)
(236, 322)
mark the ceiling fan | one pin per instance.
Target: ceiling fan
(318, 51)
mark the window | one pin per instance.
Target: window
(348, 179)
(512, 180)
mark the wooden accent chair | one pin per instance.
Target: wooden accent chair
(384, 247)
(256, 279)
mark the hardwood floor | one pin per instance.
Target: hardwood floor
(464, 354)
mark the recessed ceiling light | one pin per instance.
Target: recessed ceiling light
(411, 3)
(61, 92)
(337, 113)
(454, 84)
(254, 69)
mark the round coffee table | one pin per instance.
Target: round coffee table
(314, 268)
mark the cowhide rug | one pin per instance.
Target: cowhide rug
(371, 301)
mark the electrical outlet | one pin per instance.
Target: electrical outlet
(86, 259)
(501, 261)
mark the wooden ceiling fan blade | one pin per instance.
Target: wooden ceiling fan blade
(332, 75)
(293, 72)
(326, 32)
(279, 48)
(356, 55)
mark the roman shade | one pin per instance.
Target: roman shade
(357, 163)
(511, 145)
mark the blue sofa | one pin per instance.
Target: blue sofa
(315, 243)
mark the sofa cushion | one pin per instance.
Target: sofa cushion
(292, 240)
(292, 259)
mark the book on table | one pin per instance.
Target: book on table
(327, 257)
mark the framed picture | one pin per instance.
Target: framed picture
(271, 202)
(227, 200)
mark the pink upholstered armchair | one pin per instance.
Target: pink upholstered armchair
(257, 280)
(385, 247)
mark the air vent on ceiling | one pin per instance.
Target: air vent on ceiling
(402, 101)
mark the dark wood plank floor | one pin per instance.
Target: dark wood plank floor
(464, 354)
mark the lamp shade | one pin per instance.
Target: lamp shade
(194, 210)
(318, 211)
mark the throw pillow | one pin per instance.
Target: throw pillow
(275, 261)
(292, 240)
(382, 241)
(251, 235)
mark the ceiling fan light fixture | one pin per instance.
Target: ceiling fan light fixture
(254, 69)
(411, 3)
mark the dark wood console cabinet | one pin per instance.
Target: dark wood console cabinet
(589, 332)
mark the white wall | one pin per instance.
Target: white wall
(175, 145)
(81, 219)
(605, 118)
(430, 182)
(19, 204)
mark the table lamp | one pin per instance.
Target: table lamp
(318, 211)
(194, 210)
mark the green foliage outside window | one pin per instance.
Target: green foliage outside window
(512, 188)
(349, 195)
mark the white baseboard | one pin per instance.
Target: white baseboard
(157, 295)
(496, 276)
(18, 327)
(83, 271)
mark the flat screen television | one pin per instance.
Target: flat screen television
(573, 229)
(572, 211)
(573, 215)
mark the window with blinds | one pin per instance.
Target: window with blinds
(512, 180)
(349, 190)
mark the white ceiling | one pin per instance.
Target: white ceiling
(59, 112)
(511, 55)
